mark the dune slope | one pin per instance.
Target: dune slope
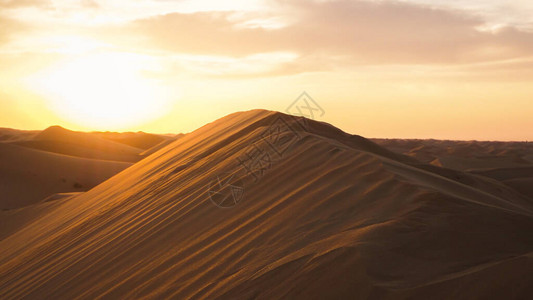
(159, 146)
(139, 139)
(464, 155)
(15, 135)
(27, 176)
(322, 215)
(81, 144)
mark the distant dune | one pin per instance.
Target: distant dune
(510, 163)
(106, 153)
(81, 144)
(323, 215)
(139, 140)
(464, 155)
(27, 176)
(161, 145)
(15, 135)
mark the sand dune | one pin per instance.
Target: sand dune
(326, 215)
(28, 176)
(522, 185)
(507, 173)
(81, 144)
(160, 146)
(509, 163)
(13, 220)
(15, 135)
(139, 140)
(61, 196)
(464, 155)
(521, 179)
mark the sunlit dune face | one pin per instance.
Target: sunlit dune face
(104, 91)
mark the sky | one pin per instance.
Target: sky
(385, 69)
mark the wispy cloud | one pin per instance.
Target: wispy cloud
(10, 28)
(24, 3)
(350, 33)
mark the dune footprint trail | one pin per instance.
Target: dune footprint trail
(329, 215)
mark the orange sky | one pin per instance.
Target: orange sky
(411, 68)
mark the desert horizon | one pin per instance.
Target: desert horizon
(170, 134)
(266, 149)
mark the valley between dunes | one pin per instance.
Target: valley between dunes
(330, 216)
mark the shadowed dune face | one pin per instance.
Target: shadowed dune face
(28, 176)
(510, 163)
(14, 135)
(323, 214)
(464, 155)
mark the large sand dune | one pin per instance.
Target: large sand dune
(326, 215)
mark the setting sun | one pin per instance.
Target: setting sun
(102, 91)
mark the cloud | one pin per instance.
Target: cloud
(253, 66)
(516, 13)
(204, 33)
(319, 35)
(23, 3)
(91, 4)
(511, 70)
(363, 32)
(8, 28)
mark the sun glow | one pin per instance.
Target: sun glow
(102, 91)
